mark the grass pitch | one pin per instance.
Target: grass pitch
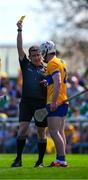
(78, 168)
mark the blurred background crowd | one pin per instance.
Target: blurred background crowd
(76, 129)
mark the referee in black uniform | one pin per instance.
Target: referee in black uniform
(33, 98)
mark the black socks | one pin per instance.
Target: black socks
(41, 149)
(20, 147)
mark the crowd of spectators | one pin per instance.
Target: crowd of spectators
(76, 129)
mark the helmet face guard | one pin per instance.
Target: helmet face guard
(47, 47)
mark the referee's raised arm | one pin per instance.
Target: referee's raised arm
(20, 40)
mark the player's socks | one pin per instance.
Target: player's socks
(60, 158)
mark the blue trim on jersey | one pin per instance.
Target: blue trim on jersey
(61, 111)
(55, 72)
(49, 79)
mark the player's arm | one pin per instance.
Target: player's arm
(20, 40)
(56, 82)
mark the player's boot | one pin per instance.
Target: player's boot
(17, 163)
(39, 164)
(58, 164)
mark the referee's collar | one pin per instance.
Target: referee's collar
(41, 65)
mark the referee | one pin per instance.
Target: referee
(33, 98)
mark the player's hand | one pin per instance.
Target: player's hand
(44, 82)
(53, 106)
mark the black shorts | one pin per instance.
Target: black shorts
(27, 108)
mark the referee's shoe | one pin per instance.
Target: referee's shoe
(17, 163)
(39, 164)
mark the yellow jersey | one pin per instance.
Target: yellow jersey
(56, 65)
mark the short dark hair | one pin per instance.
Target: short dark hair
(34, 48)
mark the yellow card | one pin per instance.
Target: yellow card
(22, 18)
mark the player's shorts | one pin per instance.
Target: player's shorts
(27, 108)
(61, 111)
